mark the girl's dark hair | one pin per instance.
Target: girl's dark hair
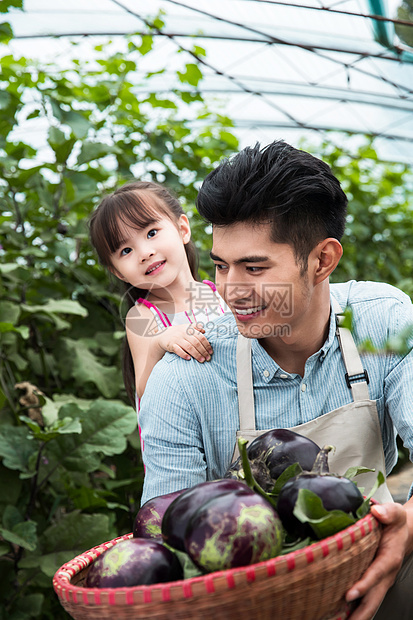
(129, 205)
(293, 190)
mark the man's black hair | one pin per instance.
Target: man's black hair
(293, 190)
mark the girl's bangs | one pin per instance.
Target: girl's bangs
(131, 211)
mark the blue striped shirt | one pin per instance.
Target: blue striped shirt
(189, 411)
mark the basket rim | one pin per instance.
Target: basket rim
(299, 558)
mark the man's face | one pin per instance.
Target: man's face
(260, 280)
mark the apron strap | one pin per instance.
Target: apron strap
(356, 376)
(246, 406)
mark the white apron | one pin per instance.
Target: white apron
(353, 429)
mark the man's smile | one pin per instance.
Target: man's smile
(246, 311)
(246, 314)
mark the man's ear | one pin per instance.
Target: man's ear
(184, 229)
(325, 258)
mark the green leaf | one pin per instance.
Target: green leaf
(309, 509)
(50, 411)
(229, 139)
(188, 567)
(295, 545)
(30, 560)
(108, 342)
(8, 267)
(11, 517)
(5, 99)
(146, 44)
(72, 535)
(365, 506)
(6, 327)
(6, 4)
(88, 499)
(105, 428)
(6, 32)
(190, 97)
(347, 319)
(192, 75)
(17, 360)
(91, 151)
(59, 427)
(86, 368)
(56, 137)
(289, 472)
(23, 330)
(80, 187)
(3, 398)
(66, 399)
(16, 447)
(34, 114)
(54, 307)
(400, 343)
(58, 306)
(77, 122)
(23, 534)
(31, 604)
(60, 144)
(198, 51)
(157, 102)
(9, 312)
(352, 472)
(10, 486)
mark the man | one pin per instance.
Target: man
(278, 215)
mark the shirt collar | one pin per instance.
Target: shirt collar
(267, 365)
(331, 334)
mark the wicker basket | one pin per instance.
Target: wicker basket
(308, 584)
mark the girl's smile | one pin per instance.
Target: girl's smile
(155, 268)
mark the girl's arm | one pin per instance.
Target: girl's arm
(148, 345)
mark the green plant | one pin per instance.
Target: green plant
(70, 471)
(379, 225)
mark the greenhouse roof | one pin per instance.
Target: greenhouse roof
(282, 69)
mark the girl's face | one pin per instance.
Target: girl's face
(152, 257)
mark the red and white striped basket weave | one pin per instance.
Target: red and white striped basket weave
(308, 584)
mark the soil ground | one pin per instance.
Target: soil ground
(399, 484)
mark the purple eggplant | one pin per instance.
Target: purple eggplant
(336, 493)
(134, 562)
(149, 517)
(237, 528)
(272, 452)
(179, 512)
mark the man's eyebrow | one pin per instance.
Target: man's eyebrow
(215, 257)
(244, 259)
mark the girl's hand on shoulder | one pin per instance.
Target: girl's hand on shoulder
(186, 341)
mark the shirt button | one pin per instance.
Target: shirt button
(266, 373)
(283, 376)
(303, 387)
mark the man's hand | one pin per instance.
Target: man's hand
(186, 341)
(395, 543)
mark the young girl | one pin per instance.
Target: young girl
(142, 235)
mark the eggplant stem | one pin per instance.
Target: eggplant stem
(320, 465)
(249, 476)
